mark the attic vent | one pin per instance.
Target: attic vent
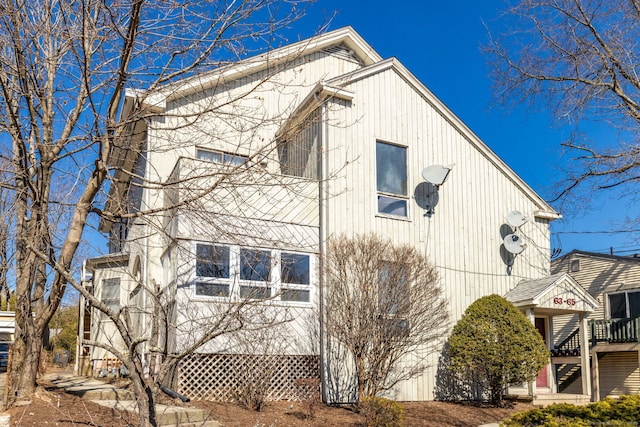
(341, 50)
(575, 265)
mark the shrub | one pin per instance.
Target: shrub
(494, 345)
(380, 412)
(624, 411)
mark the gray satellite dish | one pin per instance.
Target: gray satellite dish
(516, 219)
(436, 174)
(514, 244)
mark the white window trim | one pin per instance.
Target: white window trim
(406, 197)
(235, 282)
(222, 154)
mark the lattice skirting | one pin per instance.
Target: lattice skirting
(221, 377)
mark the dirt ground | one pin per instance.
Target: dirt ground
(53, 407)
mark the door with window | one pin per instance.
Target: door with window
(542, 380)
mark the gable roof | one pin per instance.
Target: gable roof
(544, 211)
(588, 254)
(537, 292)
(346, 36)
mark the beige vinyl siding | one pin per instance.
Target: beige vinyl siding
(619, 373)
(599, 275)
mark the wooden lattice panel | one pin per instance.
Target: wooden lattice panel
(221, 377)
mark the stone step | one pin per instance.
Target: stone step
(166, 415)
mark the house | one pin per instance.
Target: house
(253, 166)
(614, 326)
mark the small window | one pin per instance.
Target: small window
(575, 265)
(391, 171)
(294, 273)
(255, 266)
(212, 270)
(221, 157)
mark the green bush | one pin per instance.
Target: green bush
(624, 411)
(380, 412)
(494, 345)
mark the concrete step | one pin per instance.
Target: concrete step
(549, 398)
(166, 415)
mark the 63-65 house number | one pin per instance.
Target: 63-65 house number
(560, 301)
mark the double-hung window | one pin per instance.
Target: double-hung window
(391, 171)
(624, 304)
(255, 273)
(220, 157)
(294, 277)
(394, 298)
(212, 270)
(111, 293)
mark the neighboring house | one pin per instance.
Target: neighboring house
(334, 142)
(7, 325)
(614, 327)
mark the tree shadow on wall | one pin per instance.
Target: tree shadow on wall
(451, 386)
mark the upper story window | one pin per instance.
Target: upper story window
(391, 171)
(294, 277)
(212, 270)
(624, 304)
(220, 157)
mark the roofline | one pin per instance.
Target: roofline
(156, 100)
(598, 255)
(114, 259)
(544, 211)
(560, 276)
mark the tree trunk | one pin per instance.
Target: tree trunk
(145, 401)
(25, 360)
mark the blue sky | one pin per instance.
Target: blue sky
(440, 43)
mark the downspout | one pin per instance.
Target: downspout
(323, 238)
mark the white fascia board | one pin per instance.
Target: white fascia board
(544, 209)
(346, 35)
(320, 92)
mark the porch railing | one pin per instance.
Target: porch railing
(615, 330)
(570, 346)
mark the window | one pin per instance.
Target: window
(221, 157)
(236, 272)
(212, 270)
(575, 265)
(255, 266)
(111, 293)
(391, 169)
(624, 304)
(394, 298)
(294, 275)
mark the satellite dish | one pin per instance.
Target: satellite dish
(436, 174)
(516, 219)
(514, 244)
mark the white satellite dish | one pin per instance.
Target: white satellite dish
(436, 174)
(516, 219)
(514, 244)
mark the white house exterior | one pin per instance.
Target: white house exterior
(318, 140)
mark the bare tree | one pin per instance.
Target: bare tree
(384, 307)
(578, 59)
(64, 66)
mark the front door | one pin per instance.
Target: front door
(543, 378)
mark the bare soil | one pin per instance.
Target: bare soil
(51, 406)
